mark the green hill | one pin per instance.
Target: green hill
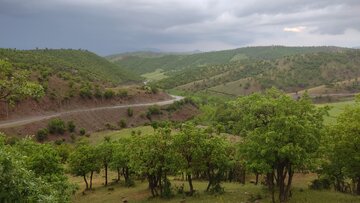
(289, 73)
(145, 63)
(85, 64)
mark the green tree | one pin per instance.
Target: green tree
(105, 153)
(342, 152)
(121, 159)
(281, 135)
(153, 156)
(84, 160)
(31, 172)
(188, 145)
(216, 161)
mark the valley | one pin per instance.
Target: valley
(223, 126)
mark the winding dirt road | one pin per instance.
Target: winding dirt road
(24, 121)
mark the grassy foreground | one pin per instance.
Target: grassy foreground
(234, 192)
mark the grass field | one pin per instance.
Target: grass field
(336, 109)
(158, 74)
(234, 192)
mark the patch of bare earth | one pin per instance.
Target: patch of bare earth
(99, 120)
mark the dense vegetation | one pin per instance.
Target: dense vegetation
(32, 172)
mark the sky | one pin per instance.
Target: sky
(114, 26)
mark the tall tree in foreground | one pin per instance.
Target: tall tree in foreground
(31, 172)
(281, 135)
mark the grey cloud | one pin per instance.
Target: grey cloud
(110, 26)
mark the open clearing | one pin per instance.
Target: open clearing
(336, 109)
(158, 74)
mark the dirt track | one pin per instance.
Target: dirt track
(24, 121)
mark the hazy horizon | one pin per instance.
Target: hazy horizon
(109, 26)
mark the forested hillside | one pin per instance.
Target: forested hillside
(141, 63)
(54, 77)
(81, 63)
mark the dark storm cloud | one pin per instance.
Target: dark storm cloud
(108, 26)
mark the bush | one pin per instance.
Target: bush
(154, 110)
(130, 112)
(56, 126)
(82, 131)
(71, 126)
(97, 93)
(122, 123)
(122, 93)
(108, 94)
(42, 134)
(85, 92)
(320, 184)
(59, 142)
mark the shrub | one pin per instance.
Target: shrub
(130, 112)
(82, 131)
(122, 93)
(154, 90)
(321, 183)
(154, 110)
(73, 138)
(108, 94)
(71, 126)
(85, 92)
(42, 134)
(122, 123)
(56, 126)
(59, 142)
(97, 93)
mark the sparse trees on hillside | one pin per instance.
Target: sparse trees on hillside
(14, 84)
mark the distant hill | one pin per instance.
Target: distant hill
(289, 73)
(141, 63)
(82, 63)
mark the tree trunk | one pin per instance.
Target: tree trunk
(87, 184)
(91, 177)
(288, 186)
(271, 185)
(106, 175)
(209, 178)
(118, 174)
(257, 178)
(358, 186)
(190, 185)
